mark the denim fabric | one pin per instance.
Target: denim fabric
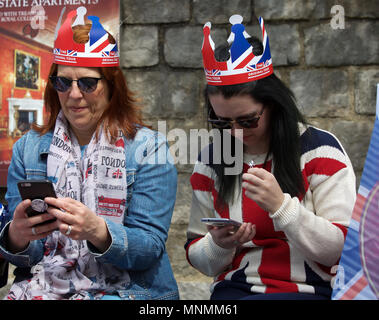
(139, 244)
(4, 216)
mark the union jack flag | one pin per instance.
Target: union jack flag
(358, 277)
(117, 174)
(66, 137)
(214, 72)
(73, 53)
(259, 65)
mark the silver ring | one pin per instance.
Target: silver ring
(68, 230)
(34, 231)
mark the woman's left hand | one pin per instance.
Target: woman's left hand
(262, 187)
(79, 222)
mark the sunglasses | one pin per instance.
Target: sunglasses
(86, 84)
(246, 122)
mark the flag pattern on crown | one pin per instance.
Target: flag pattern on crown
(242, 66)
(97, 52)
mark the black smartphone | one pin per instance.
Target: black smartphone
(221, 222)
(36, 190)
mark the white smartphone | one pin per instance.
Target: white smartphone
(220, 222)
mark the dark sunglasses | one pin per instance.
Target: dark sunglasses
(247, 123)
(86, 84)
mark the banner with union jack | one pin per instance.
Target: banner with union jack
(357, 277)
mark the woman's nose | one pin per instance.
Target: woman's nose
(75, 91)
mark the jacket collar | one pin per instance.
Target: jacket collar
(45, 142)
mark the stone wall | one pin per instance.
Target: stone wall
(333, 73)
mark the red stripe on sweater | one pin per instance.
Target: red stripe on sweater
(343, 229)
(201, 182)
(275, 267)
(306, 185)
(325, 166)
(252, 212)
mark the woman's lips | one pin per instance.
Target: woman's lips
(77, 109)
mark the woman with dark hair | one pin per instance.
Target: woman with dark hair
(293, 198)
(104, 235)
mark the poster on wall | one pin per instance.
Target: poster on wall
(27, 34)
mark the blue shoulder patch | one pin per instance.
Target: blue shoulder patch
(313, 138)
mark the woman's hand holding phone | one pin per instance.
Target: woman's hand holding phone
(227, 239)
(23, 229)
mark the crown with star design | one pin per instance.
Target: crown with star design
(242, 66)
(97, 52)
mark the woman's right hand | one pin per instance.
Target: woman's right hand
(20, 231)
(225, 238)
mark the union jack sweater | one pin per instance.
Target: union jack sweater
(294, 248)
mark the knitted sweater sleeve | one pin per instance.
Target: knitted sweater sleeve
(317, 225)
(202, 252)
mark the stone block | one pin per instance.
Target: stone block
(182, 46)
(147, 87)
(139, 46)
(321, 92)
(355, 138)
(183, 201)
(4, 290)
(284, 42)
(165, 95)
(175, 249)
(156, 11)
(289, 9)
(358, 9)
(365, 91)
(355, 45)
(180, 93)
(220, 11)
(194, 290)
(186, 139)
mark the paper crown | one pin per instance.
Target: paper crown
(97, 52)
(242, 66)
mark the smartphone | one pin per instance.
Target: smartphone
(221, 222)
(36, 190)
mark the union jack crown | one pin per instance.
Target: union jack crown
(97, 52)
(242, 66)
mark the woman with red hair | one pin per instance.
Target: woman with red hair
(104, 235)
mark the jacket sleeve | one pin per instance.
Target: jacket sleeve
(140, 242)
(16, 171)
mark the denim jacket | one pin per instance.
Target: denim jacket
(139, 244)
